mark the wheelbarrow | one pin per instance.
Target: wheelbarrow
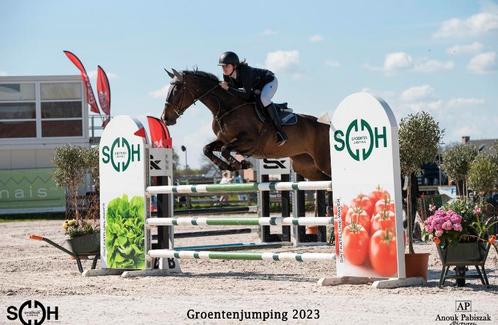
(78, 257)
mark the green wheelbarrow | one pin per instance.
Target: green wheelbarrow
(78, 256)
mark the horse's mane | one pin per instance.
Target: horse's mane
(201, 74)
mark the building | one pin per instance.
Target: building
(37, 114)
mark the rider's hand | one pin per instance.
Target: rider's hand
(224, 85)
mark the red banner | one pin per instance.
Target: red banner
(159, 134)
(88, 86)
(103, 91)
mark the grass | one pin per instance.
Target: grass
(32, 217)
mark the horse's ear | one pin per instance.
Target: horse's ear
(177, 74)
(169, 73)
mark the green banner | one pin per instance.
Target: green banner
(29, 189)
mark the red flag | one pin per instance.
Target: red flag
(159, 133)
(103, 91)
(140, 133)
(88, 86)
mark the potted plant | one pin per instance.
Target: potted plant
(72, 165)
(82, 237)
(419, 137)
(462, 233)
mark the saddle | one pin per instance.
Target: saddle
(287, 117)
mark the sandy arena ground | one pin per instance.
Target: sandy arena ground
(35, 270)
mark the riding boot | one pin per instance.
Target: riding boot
(281, 135)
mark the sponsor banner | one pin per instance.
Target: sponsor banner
(122, 163)
(161, 162)
(33, 190)
(367, 188)
(277, 166)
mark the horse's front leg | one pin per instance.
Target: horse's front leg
(226, 152)
(208, 151)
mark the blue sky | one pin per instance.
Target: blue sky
(438, 56)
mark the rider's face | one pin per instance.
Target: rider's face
(227, 69)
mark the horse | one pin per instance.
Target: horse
(238, 128)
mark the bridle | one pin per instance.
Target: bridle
(179, 110)
(176, 108)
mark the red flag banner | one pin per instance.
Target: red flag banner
(88, 86)
(140, 133)
(159, 134)
(103, 91)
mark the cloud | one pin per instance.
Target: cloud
(464, 102)
(402, 61)
(478, 24)
(417, 93)
(316, 38)
(464, 49)
(483, 63)
(433, 65)
(93, 74)
(3, 74)
(282, 61)
(397, 61)
(269, 32)
(159, 93)
(332, 63)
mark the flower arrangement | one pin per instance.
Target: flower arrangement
(460, 221)
(75, 228)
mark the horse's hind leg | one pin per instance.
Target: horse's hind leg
(305, 166)
(208, 151)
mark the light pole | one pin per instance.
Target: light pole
(184, 149)
(440, 153)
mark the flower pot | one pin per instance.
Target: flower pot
(416, 265)
(84, 245)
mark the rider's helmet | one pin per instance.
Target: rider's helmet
(228, 58)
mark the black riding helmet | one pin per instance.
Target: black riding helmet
(228, 58)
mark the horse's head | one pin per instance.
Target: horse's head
(179, 98)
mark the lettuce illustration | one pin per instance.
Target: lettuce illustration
(125, 233)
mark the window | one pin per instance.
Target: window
(61, 109)
(41, 109)
(17, 110)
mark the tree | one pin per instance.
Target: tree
(70, 166)
(419, 136)
(483, 174)
(456, 163)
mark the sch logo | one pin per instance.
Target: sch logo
(120, 154)
(360, 140)
(32, 312)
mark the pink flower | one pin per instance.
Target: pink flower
(447, 225)
(456, 218)
(439, 233)
(457, 227)
(438, 227)
(477, 210)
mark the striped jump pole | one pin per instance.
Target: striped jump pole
(238, 188)
(210, 221)
(270, 256)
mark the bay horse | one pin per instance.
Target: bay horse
(238, 128)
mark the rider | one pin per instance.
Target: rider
(246, 81)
